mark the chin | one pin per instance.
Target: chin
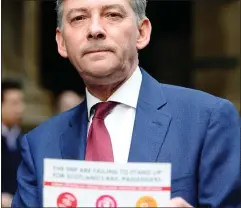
(101, 69)
(100, 75)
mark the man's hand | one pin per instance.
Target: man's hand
(178, 202)
(6, 199)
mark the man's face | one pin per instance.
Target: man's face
(101, 38)
(12, 107)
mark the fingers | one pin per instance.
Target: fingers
(6, 199)
(178, 202)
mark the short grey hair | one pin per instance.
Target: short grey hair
(138, 6)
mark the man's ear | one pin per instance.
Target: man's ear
(144, 36)
(61, 43)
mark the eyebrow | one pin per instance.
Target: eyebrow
(76, 10)
(103, 8)
(114, 6)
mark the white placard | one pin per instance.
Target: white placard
(73, 183)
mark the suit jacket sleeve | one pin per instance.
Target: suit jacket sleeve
(26, 194)
(219, 170)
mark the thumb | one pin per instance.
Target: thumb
(178, 202)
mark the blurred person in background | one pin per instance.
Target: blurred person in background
(137, 118)
(67, 100)
(12, 100)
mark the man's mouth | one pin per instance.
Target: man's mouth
(97, 51)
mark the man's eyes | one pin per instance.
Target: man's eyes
(112, 15)
(78, 18)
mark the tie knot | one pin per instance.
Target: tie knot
(102, 109)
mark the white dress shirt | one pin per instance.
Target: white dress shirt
(120, 121)
(11, 136)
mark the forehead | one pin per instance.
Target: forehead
(94, 4)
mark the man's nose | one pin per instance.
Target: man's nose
(96, 30)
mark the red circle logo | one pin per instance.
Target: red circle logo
(106, 201)
(66, 200)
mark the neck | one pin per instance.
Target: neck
(103, 92)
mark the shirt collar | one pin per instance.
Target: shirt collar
(12, 130)
(126, 94)
(5, 130)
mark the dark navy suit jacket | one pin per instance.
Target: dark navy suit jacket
(197, 133)
(10, 162)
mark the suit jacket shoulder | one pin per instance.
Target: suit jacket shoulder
(190, 98)
(188, 104)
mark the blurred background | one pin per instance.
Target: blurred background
(194, 44)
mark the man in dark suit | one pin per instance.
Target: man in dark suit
(128, 116)
(12, 111)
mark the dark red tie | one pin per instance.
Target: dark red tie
(99, 147)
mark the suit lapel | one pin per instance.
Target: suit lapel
(149, 132)
(73, 140)
(151, 122)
